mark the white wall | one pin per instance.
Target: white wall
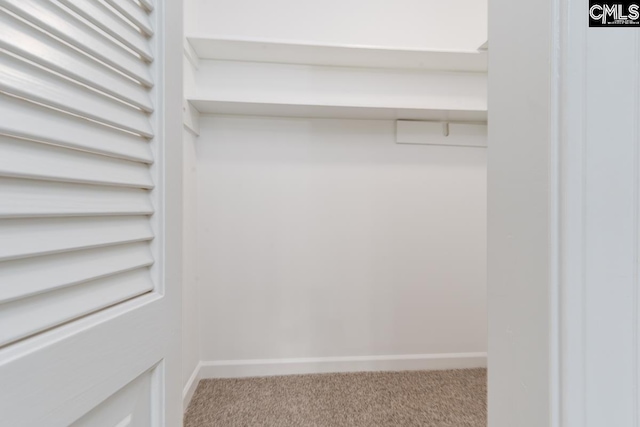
(324, 238)
(423, 24)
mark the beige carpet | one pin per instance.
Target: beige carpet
(413, 398)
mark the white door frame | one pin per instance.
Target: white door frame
(173, 22)
(521, 179)
(564, 213)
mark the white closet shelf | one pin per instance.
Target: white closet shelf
(255, 50)
(244, 108)
(271, 78)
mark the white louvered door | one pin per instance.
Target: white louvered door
(90, 128)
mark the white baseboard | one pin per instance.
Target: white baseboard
(317, 365)
(408, 362)
(190, 387)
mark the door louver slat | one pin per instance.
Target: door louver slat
(31, 198)
(24, 40)
(77, 146)
(134, 13)
(62, 305)
(23, 238)
(69, 131)
(26, 277)
(25, 80)
(54, 19)
(25, 159)
(147, 4)
(103, 18)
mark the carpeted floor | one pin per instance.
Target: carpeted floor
(455, 398)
